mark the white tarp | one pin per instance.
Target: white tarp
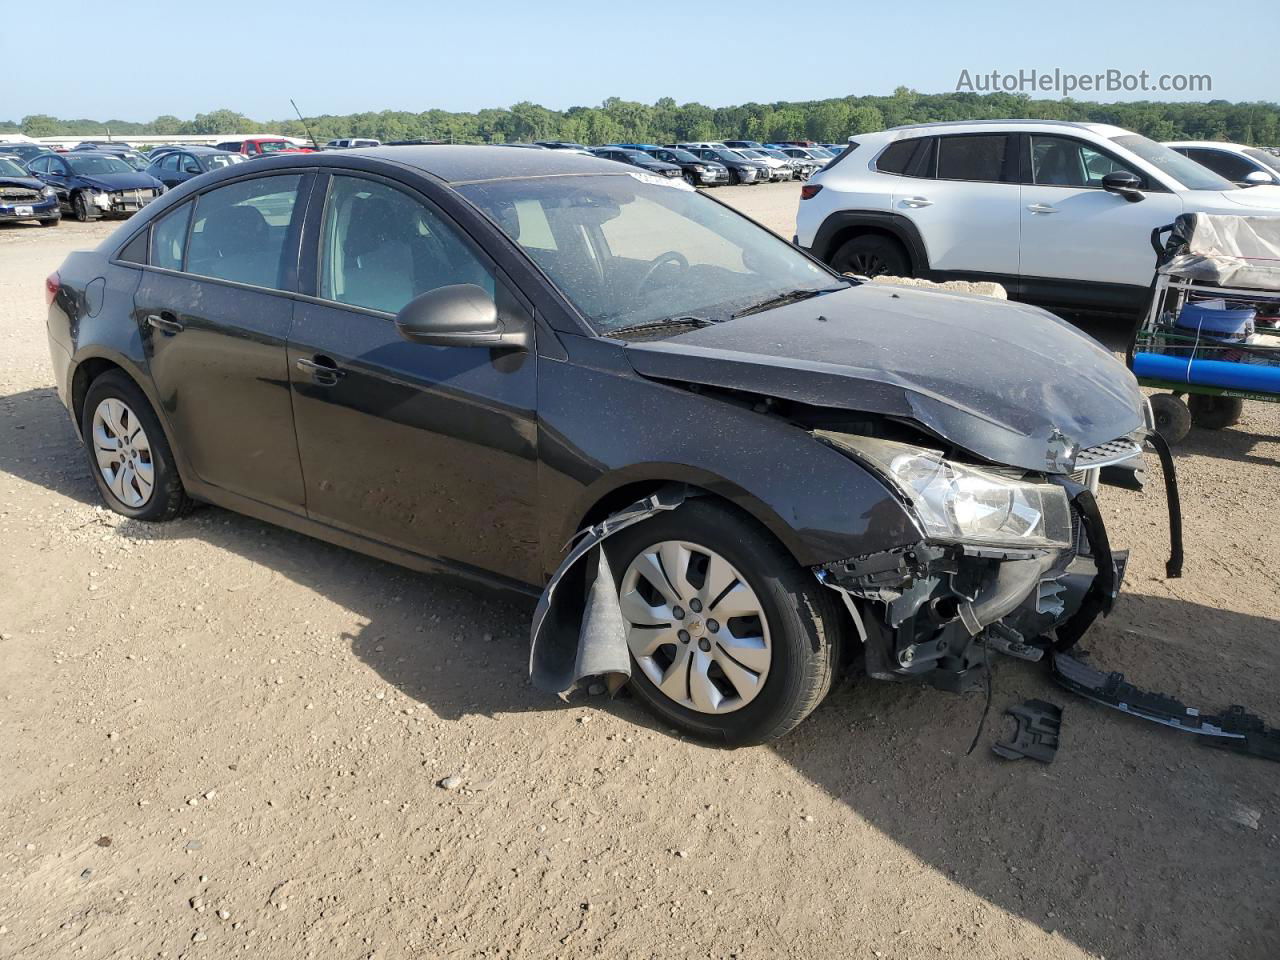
(1230, 251)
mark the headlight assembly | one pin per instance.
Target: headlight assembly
(48, 192)
(964, 504)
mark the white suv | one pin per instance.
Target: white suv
(1060, 213)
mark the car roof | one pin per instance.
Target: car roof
(1103, 129)
(461, 164)
(1207, 144)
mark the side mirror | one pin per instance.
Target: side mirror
(460, 315)
(1258, 178)
(1125, 184)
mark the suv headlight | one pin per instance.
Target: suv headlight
(48, 192)
(965, 504)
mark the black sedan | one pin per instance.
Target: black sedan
(91, 185)
(638, 158)
(175, 167)
(464, 359)
(23, 197)
(26, 152)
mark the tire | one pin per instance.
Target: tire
(51, 223)
(166, 498)
(691, 180)
(789, 667)
(734, 179)
(872, 255)
(80, 207)
(1173, 419)
(1215, 413)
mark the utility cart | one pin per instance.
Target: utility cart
(1212, 331)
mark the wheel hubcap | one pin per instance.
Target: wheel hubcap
(695, 627)
(123, 452)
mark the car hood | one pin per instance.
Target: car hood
(120, 181)
(1008, 382)
(1264, 198)
(28, 183)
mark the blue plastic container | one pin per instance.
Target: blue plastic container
(1216, 319)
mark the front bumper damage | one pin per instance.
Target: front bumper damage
(936, 611)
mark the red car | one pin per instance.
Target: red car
(262, 146)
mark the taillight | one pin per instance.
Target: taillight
(52, 283)
(810, 190)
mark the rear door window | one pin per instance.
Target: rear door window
(983, 158)
(241, 231)
(169, 238)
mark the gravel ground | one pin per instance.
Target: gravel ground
(219, 737)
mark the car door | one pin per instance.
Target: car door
(961, 192)
(1075, 231)
(431, 449)
(54, 171)
(166, 171)
(214, 306)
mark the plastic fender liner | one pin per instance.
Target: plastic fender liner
(560, 657)
(1106, 584)
(1173, 566)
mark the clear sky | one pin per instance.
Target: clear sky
(343, 57)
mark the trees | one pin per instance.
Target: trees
(616, 119)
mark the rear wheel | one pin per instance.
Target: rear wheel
(1173, 419)
(872, 255)
(1215, 413)
(130, 458)
(730, 639)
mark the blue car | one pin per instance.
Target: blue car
(92, 185)
(175, 167)
(23, 197)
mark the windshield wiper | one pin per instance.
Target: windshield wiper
(782, 299)
(666, 323)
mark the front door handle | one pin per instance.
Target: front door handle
(1042, 208)
(917, 202)
(323, 371)
(164, 322)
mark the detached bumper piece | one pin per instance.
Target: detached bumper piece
(1233, 729)
(1039, 723)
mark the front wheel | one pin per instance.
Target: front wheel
(130, 458)
(80, 206)
(731, 640)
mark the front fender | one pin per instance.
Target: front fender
(603, 428)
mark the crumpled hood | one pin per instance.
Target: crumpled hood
(121, 181)
(1008, 382)
(27, 183)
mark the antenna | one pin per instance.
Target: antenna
(304, 125)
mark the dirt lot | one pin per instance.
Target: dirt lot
(218, 738)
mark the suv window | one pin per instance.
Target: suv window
(1222, 163)
(190, 164)
(380, 248)
(982, 158)
(240, 230)
(169, 238)
(894, 159)
(1066, 162)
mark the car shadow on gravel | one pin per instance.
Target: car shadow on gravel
(1133, 841)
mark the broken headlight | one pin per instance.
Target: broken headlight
(957, 502)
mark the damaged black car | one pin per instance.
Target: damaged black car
(725, 471)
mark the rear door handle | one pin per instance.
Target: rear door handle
(164, 322)
(1042, 208)
(917, 202)
(323, 371)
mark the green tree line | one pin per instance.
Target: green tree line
(623, 120)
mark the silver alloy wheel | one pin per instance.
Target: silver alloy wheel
(123, 453)
(695, 627)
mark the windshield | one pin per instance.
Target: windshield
(1182, 170)
(821, 153)
(8, 168)
(678, 156)
(750, 154)
(625, 250)
(274, 146)
(216, 161)
(135, 160)
(776, 154)
(1268, 160)
(96, 164)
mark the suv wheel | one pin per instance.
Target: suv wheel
(730, 639)
(872, 255)
(128, 453)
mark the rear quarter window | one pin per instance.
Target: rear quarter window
(896, 156)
